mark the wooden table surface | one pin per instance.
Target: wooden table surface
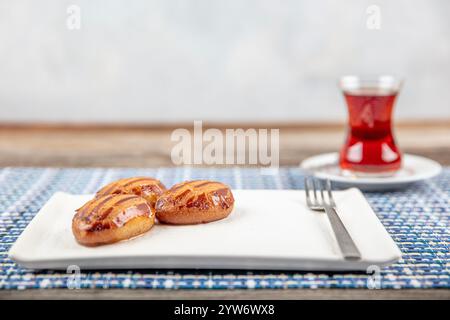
(147, 146)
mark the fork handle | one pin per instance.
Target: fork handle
(345, 241)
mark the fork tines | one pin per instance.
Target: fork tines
(318, 188)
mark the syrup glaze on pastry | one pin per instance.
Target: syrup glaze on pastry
(148, 188)
(112, 218)
(193, 202)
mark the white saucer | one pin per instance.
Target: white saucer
(415, 168)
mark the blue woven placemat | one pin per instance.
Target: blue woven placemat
(417, 219)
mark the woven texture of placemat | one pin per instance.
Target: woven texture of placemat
(417, 219)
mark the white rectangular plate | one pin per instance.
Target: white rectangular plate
(268, 229)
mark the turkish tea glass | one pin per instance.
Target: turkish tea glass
(370, 148)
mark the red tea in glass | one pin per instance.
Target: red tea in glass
(370, 146)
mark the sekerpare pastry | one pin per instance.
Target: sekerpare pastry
(193, 202)
(148, 188)
(112, 218)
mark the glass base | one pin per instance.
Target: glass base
(363, 174)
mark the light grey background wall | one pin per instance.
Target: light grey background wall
(242, 60)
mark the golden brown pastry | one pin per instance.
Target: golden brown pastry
(148, 188)
(193, 202)
(112, 218)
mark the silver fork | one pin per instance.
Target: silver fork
(318, 202)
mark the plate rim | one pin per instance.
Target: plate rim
(306, 165)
